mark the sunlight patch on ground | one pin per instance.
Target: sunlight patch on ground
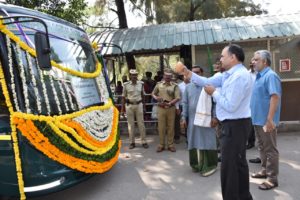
(280, 195)
(178, 161)
(158, 175)
(291, 163)
(215, 195)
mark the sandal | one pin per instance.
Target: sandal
(267, 185)
(172, 149)
(210, 172)
(258, 175)
(160, 149)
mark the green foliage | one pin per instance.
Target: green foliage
(166, 11)
(70, 10)
(98, 8)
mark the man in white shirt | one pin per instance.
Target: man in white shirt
(233, 110)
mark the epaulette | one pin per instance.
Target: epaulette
(141, 82)
(126, 83)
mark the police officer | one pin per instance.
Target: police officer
(166, 93)
(132, 97)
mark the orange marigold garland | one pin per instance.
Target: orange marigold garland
(42, 143)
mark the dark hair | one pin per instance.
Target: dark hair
(148, 74)
(237, 51)
(198, 67)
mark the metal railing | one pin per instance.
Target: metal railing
(150, 122)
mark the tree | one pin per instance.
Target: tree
(70, 10)
(166, 11)
(120, 11)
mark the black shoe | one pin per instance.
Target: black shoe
(145, 145)
(255, 160)
(132, 146)
(249, 146)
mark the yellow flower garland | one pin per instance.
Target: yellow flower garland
(25, 47)
(95, 45)
(14, 136)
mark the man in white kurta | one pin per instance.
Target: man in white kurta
(201, 140)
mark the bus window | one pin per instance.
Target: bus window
(4, 115)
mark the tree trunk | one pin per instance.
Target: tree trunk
(130, 61)
(123, 24)
(161, 62)
(192, 11)
(121, 14)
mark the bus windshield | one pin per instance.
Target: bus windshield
(55, 92)
(70, 47)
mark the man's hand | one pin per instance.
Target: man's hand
(122, 111)
(269, 126)
(178, 111)
(180, 68)
(209, 89)
(214, 122)
(159, 99)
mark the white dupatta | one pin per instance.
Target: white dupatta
(203, 110)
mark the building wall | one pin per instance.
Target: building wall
(202, 53)
(290, 109)
(285, 48)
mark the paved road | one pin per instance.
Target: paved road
(145, 174)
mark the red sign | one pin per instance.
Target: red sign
(285, 65)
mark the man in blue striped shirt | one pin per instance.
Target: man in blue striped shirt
(233, 110)
(265, 112)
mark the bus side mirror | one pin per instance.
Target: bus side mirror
(42, 47)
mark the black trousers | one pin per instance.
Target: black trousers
(234, 166)
(177, 130)
(251, 137)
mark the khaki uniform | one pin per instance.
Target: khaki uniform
(166, 115)
(134, 108)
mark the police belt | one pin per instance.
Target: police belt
(162, 105)
(133, 102)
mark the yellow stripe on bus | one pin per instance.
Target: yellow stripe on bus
(5, 137)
